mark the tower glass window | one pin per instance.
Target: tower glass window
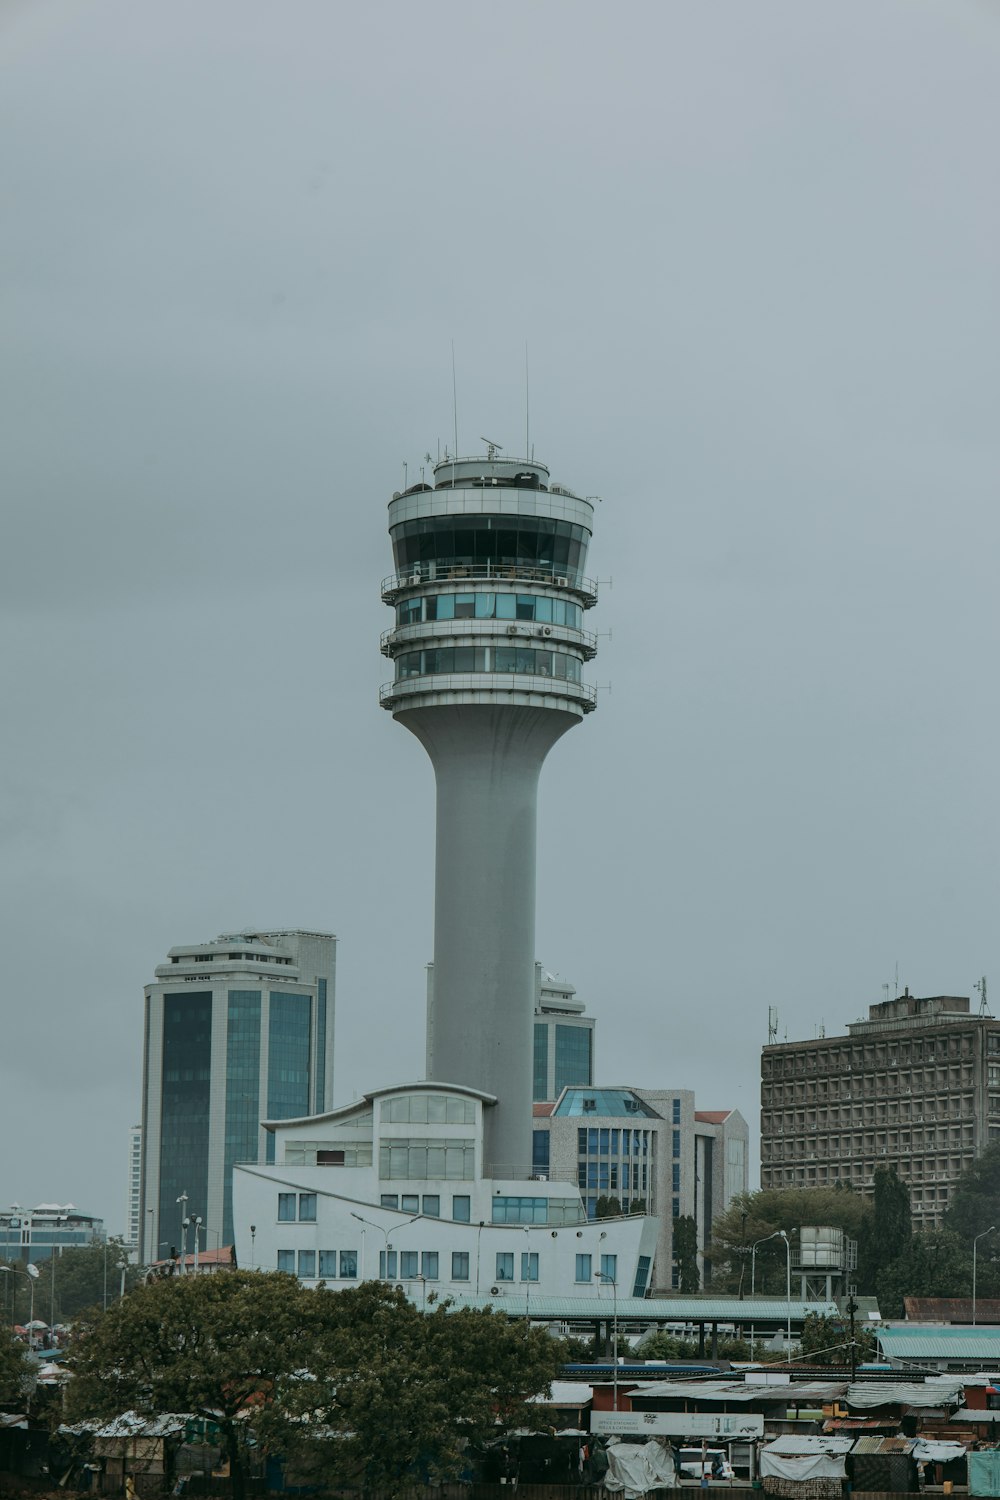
(186, 1090)
(288, 1055)
(574, 1063)
(242, 1091)
(539, 544)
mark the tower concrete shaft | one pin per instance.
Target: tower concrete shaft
(488, 647)
(486, 762)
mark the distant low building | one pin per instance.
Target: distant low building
(33, 1234)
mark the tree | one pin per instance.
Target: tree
(975, 1199)
(753, 1216)
(400, 1394)
(826, 1341)
(935, 1263)
(215, 1346)
(14, 1366)
(686, 1253)
(84, 1276)
(887, 1229)
(358, 1384)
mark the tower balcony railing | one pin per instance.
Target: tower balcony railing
(480, 631)
(490, 685)
(421, 573)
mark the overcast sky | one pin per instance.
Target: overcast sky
(754, 251)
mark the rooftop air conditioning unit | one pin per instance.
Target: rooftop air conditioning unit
(512, 630)
(414, 577)
(562, 583)
(495, 1291)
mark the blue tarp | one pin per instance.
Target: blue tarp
(984, 1473)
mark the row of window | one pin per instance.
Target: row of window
(503, 541)
(597, 1141)
(858, 1055)
(612, 1176)
(424, 1160)
(296, 1208)
(490, 607)
(519, 659)
(429, 1109)
(332, 1265)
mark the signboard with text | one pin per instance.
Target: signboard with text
(679, 1424)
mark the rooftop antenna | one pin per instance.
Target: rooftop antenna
(527, 406)
(492, 449)
(980, 985)
(454, 398)
(772, 1025)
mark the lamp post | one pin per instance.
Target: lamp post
(385, 1235)
(253, 1257)
(479, 1243)
(788, 1293)
(753, 1277)
(182, 1200)
(152, 1247)
(975, 1245)
(31, 1274)
(606, 1276)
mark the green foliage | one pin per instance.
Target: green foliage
(886, 1231)
(607, 1208)
(13, 1365)
(85, 1276)
(934, 1264)
(668, 1346)
(975, 1201)
(357, 1385)
(686, 1254)
(399, 1393)
(826, 1341)
(753, 1216)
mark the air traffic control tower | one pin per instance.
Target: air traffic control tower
(488, 649)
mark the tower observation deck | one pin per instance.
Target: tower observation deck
(488, 648)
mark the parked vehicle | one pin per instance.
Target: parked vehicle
(714, 1465)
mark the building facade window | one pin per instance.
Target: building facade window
(584, 1267)
(407, 1264)
(529, 1265)
(307, 1208)
(438, 1160)
(288, 1058)
(676, 1115)
(520, 1210)
(436, 660)
(429, 1264)
(467, 606)
(432, 1206)
(460, 1265)
(286, 1261)
(349, 1265)
(609, 1267)
(328, 1264)
(387, 1265)
(574, 1059)
(428, 1109)
(540, 1062)
(307, 1265)
(286, 1208)
(505, 1265)
(461, 1208)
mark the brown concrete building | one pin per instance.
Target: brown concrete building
(916, 1086)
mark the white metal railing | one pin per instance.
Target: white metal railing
(423, 572)
(499, 631)
(488, 682)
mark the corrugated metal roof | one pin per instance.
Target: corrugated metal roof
(810, 1443)
(813, 1392)
(922, 1341)
(882, 1445)
(968, 1414)
(650, 1309)
(944, 1391)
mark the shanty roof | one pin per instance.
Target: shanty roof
(951, 1309)
(567, 1393)
(712, 1116)
(812, 1392)
(920, 1341)
(941, 1391)
(805, 1443)
(970, 1414)
(132, 1424)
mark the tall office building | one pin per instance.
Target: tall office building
(488, 646)
(563, 1038)
(916, 1087)
(133, 1198)
(236, 1031)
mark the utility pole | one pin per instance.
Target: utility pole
(852, 1308)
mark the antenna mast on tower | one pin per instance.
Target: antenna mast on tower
(772, 1025)
(980, 985)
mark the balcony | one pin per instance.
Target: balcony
(420, 574)
(487, 687)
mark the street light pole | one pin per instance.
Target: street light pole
(606, 1276)
(182, 1200)
(753, 1275)
(788, 1293)
(975, 1246)
(31, 1273)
